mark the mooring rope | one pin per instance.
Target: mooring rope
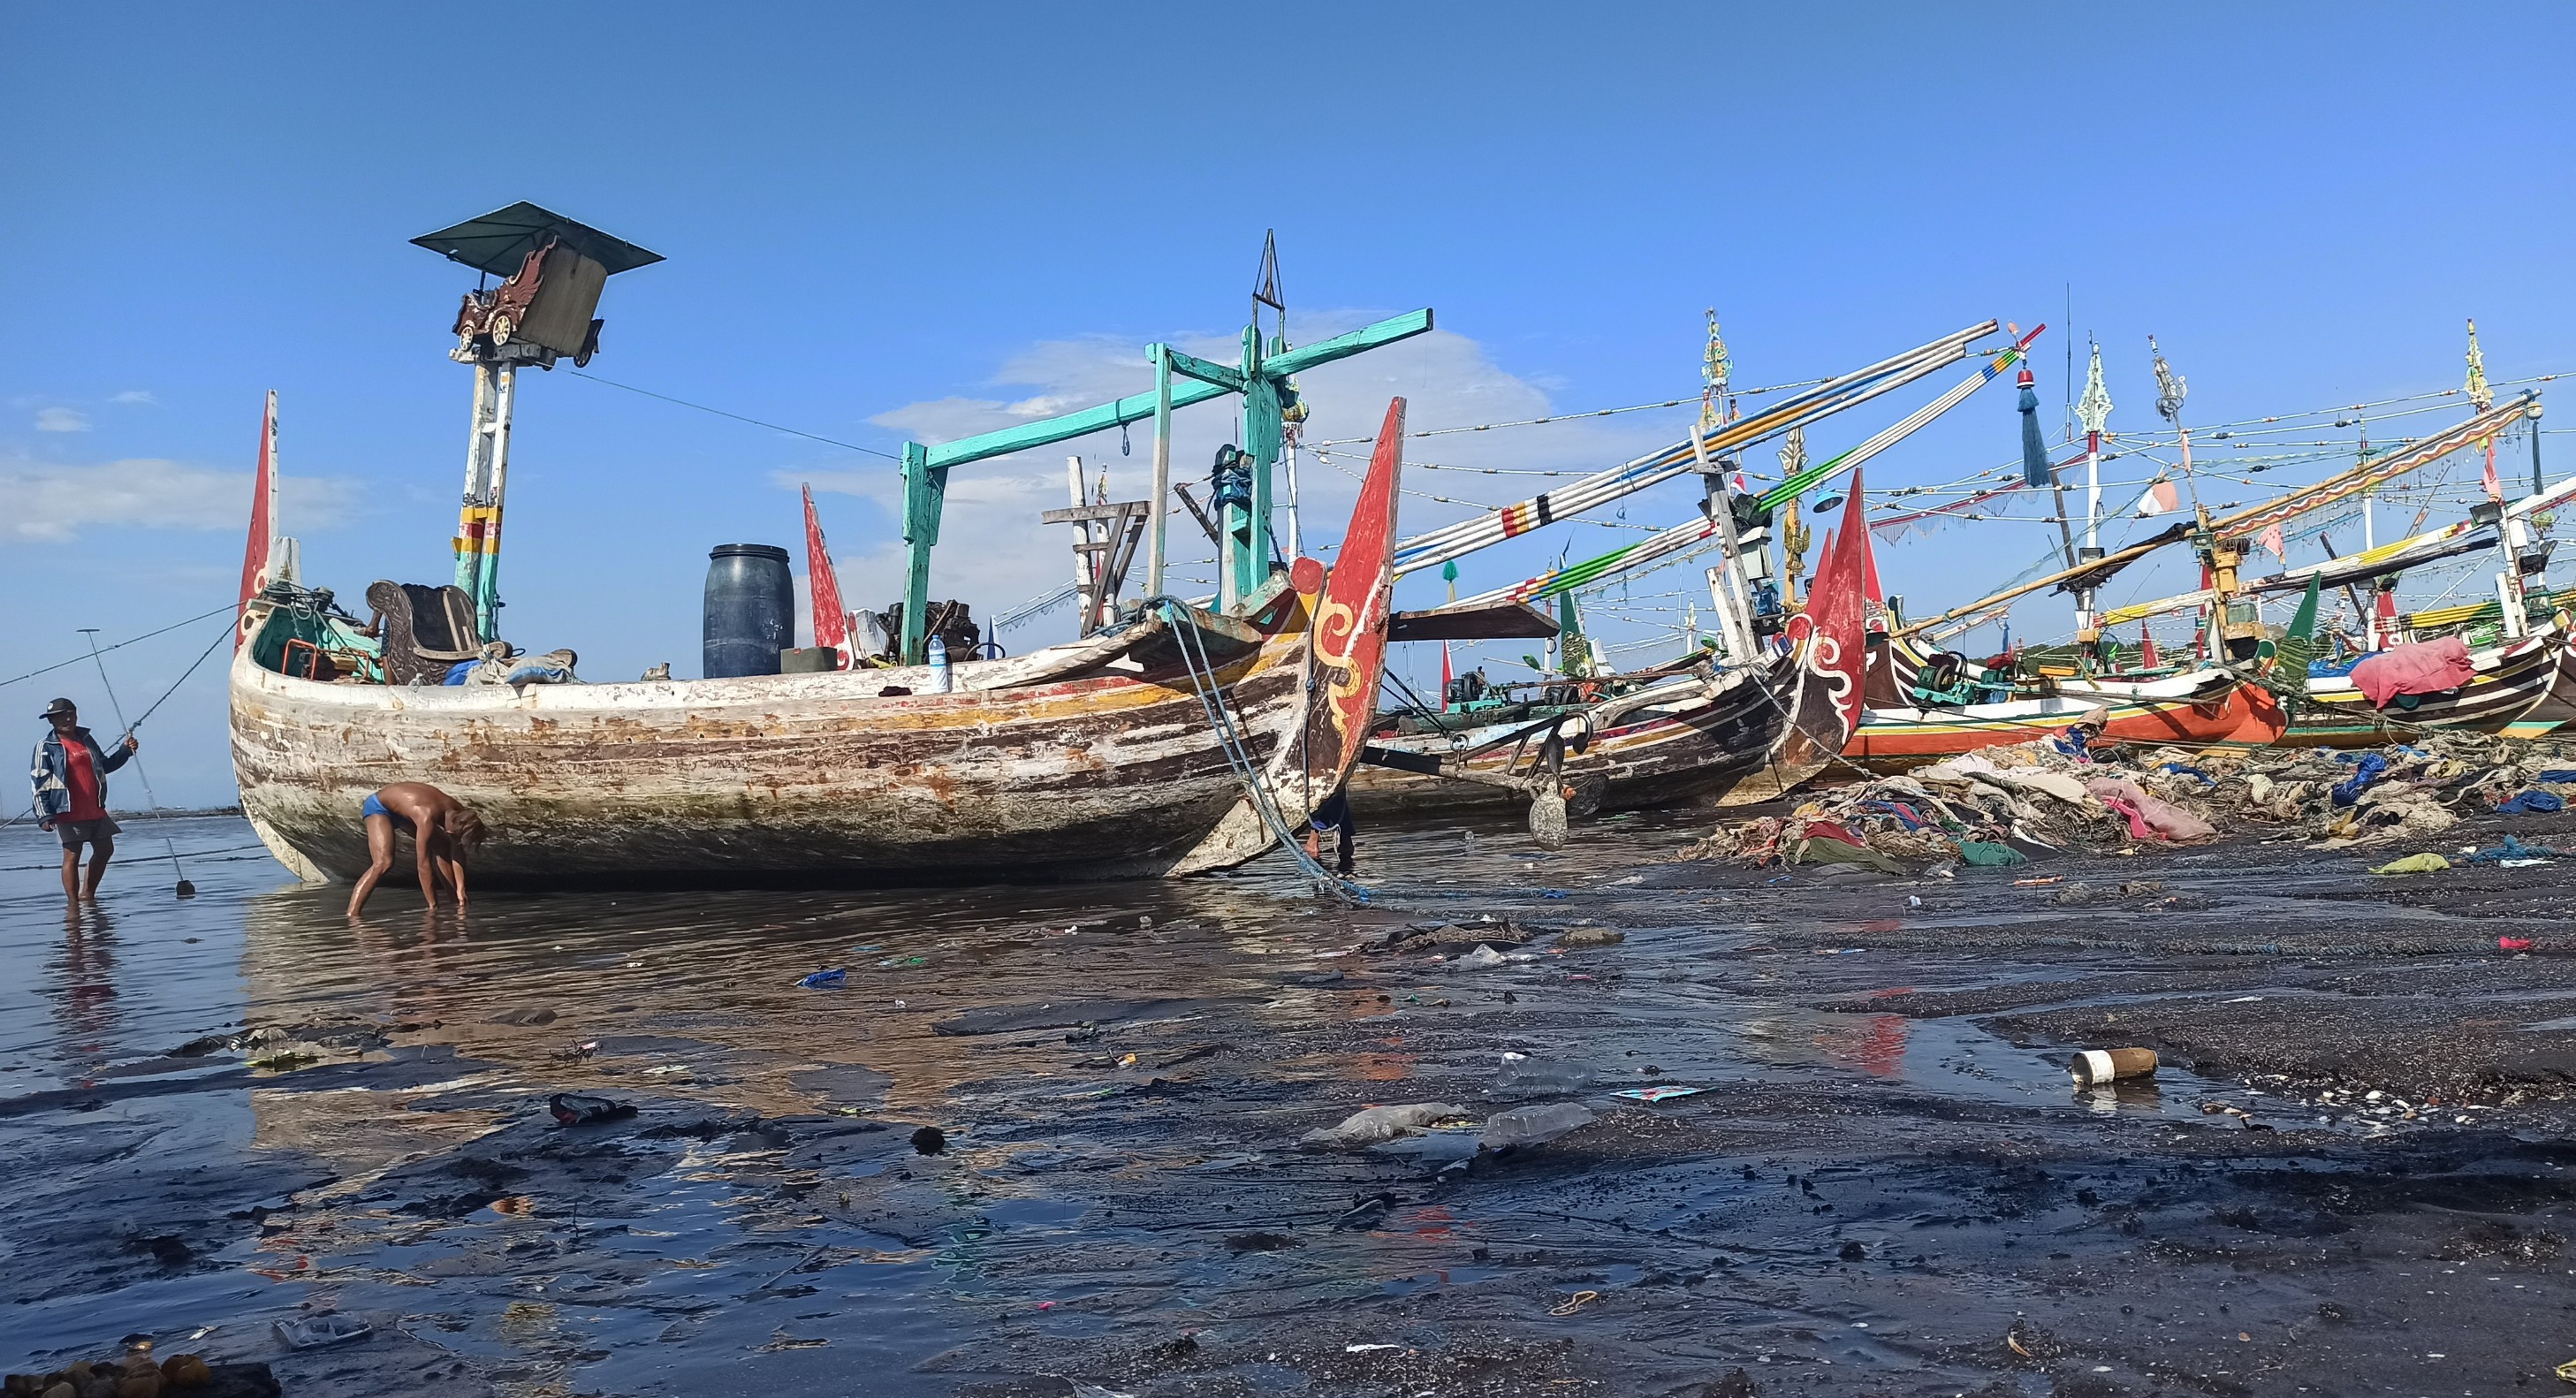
(1228, 730)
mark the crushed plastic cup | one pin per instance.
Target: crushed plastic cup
(1520, 1071)
(323, 1331)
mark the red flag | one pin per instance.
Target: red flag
(2162, 498)
(2493, 487)
(2272, 541)
(831, 624)
(263, 520)
(2147, 648)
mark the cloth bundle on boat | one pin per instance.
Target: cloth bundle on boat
(2426, 667)
(553, 667)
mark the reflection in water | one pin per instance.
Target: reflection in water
(82, 992)
(1875, 1044)
(767, 1198)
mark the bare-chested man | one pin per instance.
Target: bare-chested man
(441, 828)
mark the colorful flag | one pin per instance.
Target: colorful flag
(2272, 541)
(831, 624)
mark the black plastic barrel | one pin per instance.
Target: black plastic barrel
(750, 610)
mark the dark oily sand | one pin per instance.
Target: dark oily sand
(1046, 1141)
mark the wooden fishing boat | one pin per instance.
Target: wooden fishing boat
(1716, 738)
(1185, 742)
(2204, 707)
(1734, 738)
(2523, 688)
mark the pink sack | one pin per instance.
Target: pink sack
(2427, 667)
(2160, 817)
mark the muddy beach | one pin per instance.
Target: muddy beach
(2347, 1177)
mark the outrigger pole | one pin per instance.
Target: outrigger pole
(2254, 519)
(1243, 485)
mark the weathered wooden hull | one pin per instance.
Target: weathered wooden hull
(1705, 749)
(1181, 743)
(1097, 774)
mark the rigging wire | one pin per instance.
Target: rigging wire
(102, 650)
(738, 417)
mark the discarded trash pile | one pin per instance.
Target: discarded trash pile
(1998, 806)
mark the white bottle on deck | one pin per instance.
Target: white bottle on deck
(940, 680)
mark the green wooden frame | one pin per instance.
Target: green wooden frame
(1247, 542)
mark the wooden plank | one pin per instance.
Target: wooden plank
(1367, 337)
(1205, 371)
(1135, 407)
(1084, 514)
(1487, 621)
(1197, 513)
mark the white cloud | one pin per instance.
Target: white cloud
(995, 554)
(46, 503)
(62, 420)
(134, 395)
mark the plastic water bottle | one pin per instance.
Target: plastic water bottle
(940, 680)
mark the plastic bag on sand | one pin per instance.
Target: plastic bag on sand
(1988, 854)
(2162, 816)
(1529, 1126)
(1482, 958)
(1367, 1128)
(2415, 864)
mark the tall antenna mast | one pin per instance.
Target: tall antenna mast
(1716, 409)
(2093, 410)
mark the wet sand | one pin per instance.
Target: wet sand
(1888, 1185)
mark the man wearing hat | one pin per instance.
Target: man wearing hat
(70, 775)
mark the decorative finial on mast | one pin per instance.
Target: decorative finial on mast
(1715, 365)
(2480, 396)
(2170, 387)
(2094, 408)
(1795, 536)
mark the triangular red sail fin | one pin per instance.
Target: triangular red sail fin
(263, 529)
(831, 624)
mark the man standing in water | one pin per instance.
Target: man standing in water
(70, 776)
(441, 829)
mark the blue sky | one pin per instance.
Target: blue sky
(930, 218)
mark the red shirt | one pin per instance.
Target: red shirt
(81, 775)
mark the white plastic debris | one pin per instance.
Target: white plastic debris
(1367, 1128)
(1530, 1126)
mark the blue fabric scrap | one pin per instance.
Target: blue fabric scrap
(2370, 769)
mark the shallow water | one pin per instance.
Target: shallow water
(1121, 1074)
